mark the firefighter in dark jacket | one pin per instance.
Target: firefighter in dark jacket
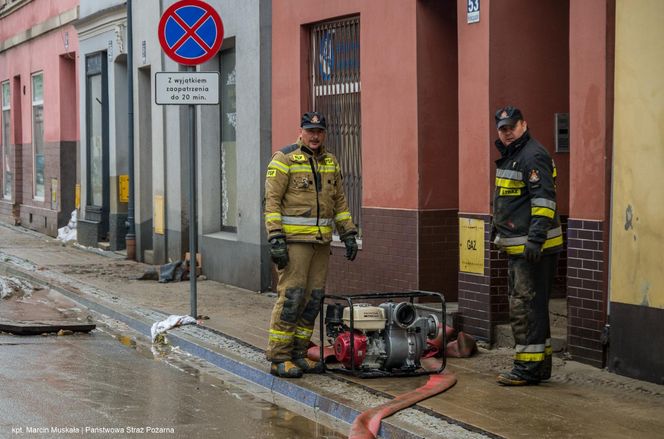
(304, 200)
(526, 226)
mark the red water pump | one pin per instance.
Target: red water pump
(390, 336)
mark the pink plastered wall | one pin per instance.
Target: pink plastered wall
(437, 105)
(528, 69)
(475, 123)
(388, 67)
(47, 54)
(34, 12)
(589, 118)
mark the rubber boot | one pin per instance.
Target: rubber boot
(309, 366)
(286, 369)
(512, 379)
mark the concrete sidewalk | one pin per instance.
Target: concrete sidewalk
(579, 401)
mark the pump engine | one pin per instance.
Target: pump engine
(385, 337)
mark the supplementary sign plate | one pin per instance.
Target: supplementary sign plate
(186, 88)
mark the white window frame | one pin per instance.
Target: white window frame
(6, 106)
(36, 103)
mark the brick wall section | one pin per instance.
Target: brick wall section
(402, 250)
(17, 195)
(586, 297)
(483, 300)
(387, 260)
(6, 211)
(560, 283)
(497, 269)
(9, 208)
(35, 214)
(439, 252)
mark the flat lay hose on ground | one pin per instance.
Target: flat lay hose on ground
(367, 424)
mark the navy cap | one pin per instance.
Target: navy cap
(313, 120)
(508, 116)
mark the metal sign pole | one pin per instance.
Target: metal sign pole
(188, 40)
(193, 235)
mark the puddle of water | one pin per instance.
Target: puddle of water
(281, 422)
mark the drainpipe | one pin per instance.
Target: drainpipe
(130, 238)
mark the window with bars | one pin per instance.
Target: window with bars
(6, 142)
(335, 90)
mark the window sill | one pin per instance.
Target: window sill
(226, 236)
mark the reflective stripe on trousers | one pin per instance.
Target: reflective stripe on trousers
(306, 272)
(529, 291)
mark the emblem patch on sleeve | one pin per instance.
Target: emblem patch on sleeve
(329, 161)
(271, 173)
(534, 176)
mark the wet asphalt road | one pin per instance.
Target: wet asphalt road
(82, 385)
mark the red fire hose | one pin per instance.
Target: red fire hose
(367, 424)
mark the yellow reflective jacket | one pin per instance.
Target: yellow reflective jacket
(304, 196)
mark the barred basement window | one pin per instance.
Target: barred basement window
(335, 73)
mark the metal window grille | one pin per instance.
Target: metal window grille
(335, 72)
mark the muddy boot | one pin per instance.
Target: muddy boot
(309, 366)
(286, 369)
(512, 379)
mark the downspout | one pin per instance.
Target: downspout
(130, 238)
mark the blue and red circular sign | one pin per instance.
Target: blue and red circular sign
(190, 32)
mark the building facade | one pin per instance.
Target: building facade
(232, 149)
(636, 281)
(103, 103)
(410, 91)
(387, 80)
(39, 131)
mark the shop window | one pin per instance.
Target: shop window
(228, 141)
(6, 143)
(38, 134)
(335, 79)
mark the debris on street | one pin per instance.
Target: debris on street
(159, 328)
(68, 232)
(14, 287)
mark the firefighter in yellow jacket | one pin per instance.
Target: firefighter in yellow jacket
(304, 200)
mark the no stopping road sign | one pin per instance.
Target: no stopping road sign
(190, 32)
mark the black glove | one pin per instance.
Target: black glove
(533, 252)
(351, 247)
(279, 252)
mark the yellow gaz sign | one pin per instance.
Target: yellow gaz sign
(471, 245)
